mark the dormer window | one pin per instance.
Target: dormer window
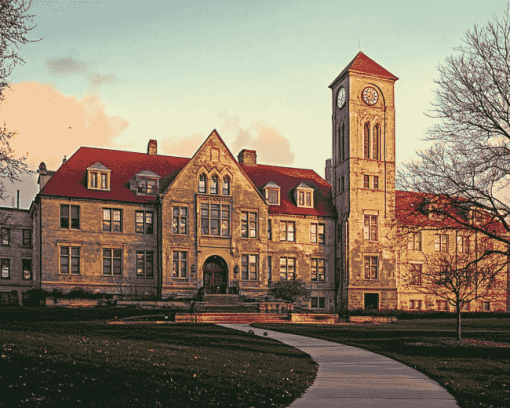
(304, 196)
(98, 177)
(146, 182)
(272, 193)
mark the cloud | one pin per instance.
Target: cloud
(182, 146)
(67, 66)
(51, 124)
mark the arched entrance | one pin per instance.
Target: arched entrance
(215, 275)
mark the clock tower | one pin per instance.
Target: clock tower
(363, 180)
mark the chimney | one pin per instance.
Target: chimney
(328, 172)
(64, 160)
(248, 157)
(43, 176)
(152, 148)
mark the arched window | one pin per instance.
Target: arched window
(377, 142)
(366, 149)
(226, 185)
(202, 184)
(214, 185)
(344, 156)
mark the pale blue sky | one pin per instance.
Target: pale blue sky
(254, 70)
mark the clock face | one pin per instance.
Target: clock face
(340, 101)
(370, 96)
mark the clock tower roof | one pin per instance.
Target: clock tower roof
(364, 65)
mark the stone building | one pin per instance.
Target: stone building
(130, 223)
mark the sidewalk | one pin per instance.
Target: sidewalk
(352, 377)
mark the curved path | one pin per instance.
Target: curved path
(352, 377)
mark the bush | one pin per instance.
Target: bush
(290, 291)
(426, 314)
(34, 297)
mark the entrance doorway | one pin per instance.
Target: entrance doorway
(215, 275)
(371, 301)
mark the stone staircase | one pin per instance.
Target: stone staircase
(220, 300)
(233, 318)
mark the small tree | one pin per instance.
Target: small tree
(290, 290)
(459, 276)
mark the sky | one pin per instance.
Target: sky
(114, 74)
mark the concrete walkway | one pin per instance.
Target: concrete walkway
(352, 377)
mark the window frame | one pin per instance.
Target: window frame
(371, 266)
(376, 182)
(144, 268)
(287, 231)
(111, 220)
(250, 268)
(225, 182)
(147, 227)
(269, 230)
(342, 185)
(366, 181)
(70, 256)
(25, 239)
(70, 220)
(272, 192)
(249, 225)
(370, 229)
(23, 269)
(214, 188)
(484, 308)
(143, 187)
(414, 241)
(315, 235)
(180, 265)
(202, 184)
(376, 141)
(208, 220)
(366, 140)
(7, 262)
(285, 268)
(463, 244)
(5, 237)
(440, 245)
(317, 302)
(112, 258)
(416, 275)
(440, 303)
(177, 220)
(415, 304)
(270, 268)
(315, 265)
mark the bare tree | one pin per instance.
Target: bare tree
(466, 172)
(456, 274)
(15, 24)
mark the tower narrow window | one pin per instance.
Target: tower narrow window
(366, 132)
(202, 184)
(377, 142)
(342, 146)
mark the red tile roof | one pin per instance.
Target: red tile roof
(365, 65)
(70, 180)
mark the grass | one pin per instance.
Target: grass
(476, 371)
(82, 362)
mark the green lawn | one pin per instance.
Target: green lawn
(476, 372)
(82, 362)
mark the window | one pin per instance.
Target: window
(145, 264)
(287, 268)
(441, 305)
(414, 241)
(69, 259)
(147, 186)
(375, 153)
(26, 269)
(93, 180)
(215, 219)
(342, 144)
(376, 182)
(308, 199)
(463, 245)
(486, 306)
(366, 181)
(249, 267)
(75, 216)
(112, 262)
(27, 237)
(466, 306)
(269, 230)
(414, 304)
(318, 270)
(342, 185)
(273, 196)
(415, 273)
(370, 230)
(214, 185)
(366, 144)
(104, 185)
(318, 302)
(226, 186)
(6, 268)
(371, 267)
(441, 243)
(180, 264)
(112, 220)
(180, 220)
(144, 222)
(6, 237)
(287, 229)
(301, 200)
(202, 184)
(249, 225)
(269, 268)
(317, 232)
